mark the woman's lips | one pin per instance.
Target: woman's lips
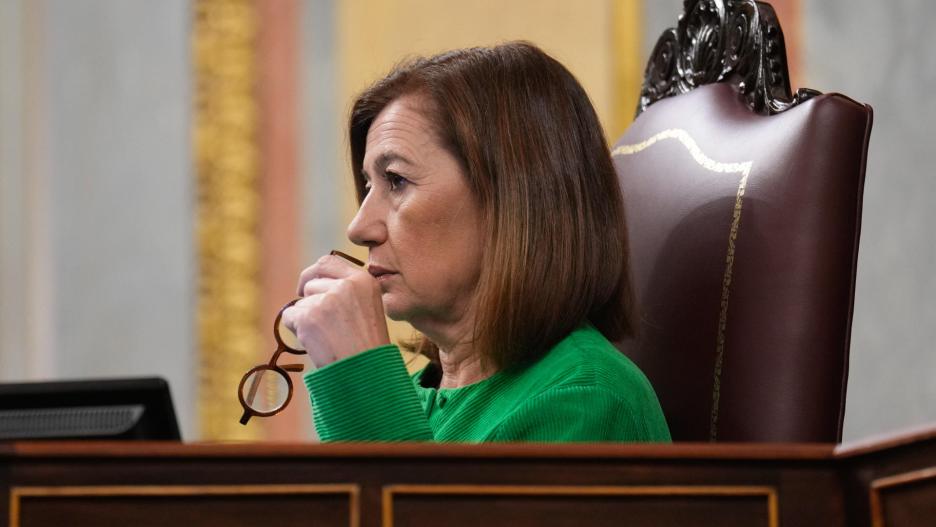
(380, 273)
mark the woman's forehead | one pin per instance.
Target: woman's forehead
(400, 132)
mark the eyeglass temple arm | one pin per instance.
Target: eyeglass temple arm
(292, 367)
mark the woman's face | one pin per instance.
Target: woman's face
(419, 220)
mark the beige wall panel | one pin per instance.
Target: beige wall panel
(375, 34)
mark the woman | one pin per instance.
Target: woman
(494, 225)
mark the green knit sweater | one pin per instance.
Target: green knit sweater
(583, 389)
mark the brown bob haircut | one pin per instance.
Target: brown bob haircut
(536, 159)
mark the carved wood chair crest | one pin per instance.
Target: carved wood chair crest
(735, 41)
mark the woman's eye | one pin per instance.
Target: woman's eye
(395, 180)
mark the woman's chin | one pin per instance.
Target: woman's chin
(403, 312)
(393, 309)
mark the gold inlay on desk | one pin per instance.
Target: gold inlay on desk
(706, 162)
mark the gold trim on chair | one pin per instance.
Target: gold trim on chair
(889, 482)
(17, 493)
(770, 493)
(744, 169)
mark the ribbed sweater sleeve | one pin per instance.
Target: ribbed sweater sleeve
(367, 397)
(569, 414)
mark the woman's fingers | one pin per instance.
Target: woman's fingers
(317, 286)
(301, 318)
(321, 323)
(328, 266)
(289, 318)
(340, 312)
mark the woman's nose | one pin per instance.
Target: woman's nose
(368, 228)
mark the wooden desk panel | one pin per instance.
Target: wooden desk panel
(161, 505)
(891, 481)
(509, 505)
(98, 483)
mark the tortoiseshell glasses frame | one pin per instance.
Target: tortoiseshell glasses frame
(271, 400)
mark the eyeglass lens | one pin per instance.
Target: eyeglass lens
(266, 390)
(287, 337)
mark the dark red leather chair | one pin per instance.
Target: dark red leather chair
(744, 211)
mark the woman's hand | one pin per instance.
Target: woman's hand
(340, 314)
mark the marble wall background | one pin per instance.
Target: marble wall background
(98, 258)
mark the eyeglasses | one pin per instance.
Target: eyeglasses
(266, 389)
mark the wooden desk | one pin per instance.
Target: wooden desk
(884, 483)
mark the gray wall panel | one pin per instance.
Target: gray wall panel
(881, 53)
(121, 188)
(658, 15)
(323, 127)
(14, 260)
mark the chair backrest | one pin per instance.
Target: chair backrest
(744, 211)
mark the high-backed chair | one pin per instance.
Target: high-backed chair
(744, 211)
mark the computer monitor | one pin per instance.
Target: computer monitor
(139, 408)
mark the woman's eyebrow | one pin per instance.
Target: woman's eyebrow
(385, 158)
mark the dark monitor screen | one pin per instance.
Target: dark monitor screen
(139, 408)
